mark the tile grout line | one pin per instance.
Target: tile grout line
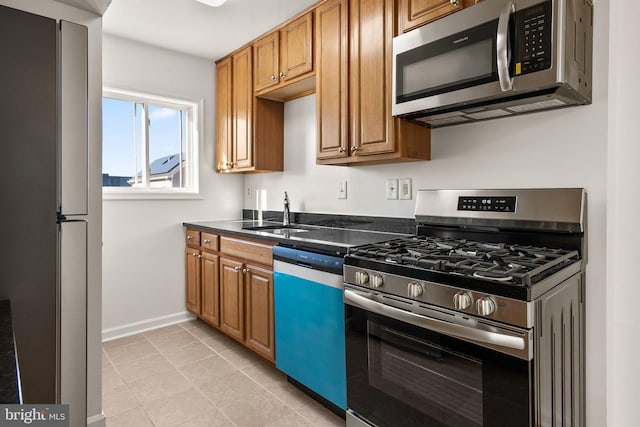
(216, 353)
(195, 387)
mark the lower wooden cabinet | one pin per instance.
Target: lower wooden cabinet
(209, 312)
(232, 298)
(193, 280)
(230, 287)
(259, 311)
(246, 305)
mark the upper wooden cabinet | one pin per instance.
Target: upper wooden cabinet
(414, 13)
(332, 79)
(242, 109)
(285, 57)
(249, 131)
(353, 56)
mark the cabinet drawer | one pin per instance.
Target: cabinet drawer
(252, 251)
(209, 241)
(193, 238)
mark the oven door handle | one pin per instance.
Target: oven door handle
(495, 339)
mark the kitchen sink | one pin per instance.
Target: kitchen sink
(278, 229)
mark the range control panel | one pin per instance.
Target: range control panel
(487, 204)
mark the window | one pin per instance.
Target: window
(149, 145)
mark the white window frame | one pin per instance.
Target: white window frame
(192, 148)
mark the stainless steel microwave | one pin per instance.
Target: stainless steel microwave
(495, 59)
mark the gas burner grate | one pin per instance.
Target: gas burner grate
(499, 262)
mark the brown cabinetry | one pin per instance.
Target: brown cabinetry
(209, 288)
(230, 286)
(332, 85)
(201, 267)
(193, 279)
(259, 317)
(354, 118)
(250, 131)
(284, 57)
(414, 13)
(232, 298)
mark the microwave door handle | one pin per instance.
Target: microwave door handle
(502, 37)
(458, 331)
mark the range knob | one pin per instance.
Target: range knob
(485, 306)
(414, 290)
(361, 278)
(462, 300)
(375, 281)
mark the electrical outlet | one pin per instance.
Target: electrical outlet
(404, 189)
(248, 192)
(392, 189)
(342, 190)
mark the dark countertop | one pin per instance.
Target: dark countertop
(9, 387)
(326, 239)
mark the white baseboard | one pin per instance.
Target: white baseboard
(96, 421)
(145, 325)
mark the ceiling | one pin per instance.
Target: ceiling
(191, 27)
(95, 6)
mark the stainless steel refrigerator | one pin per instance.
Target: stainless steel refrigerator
(43, 203)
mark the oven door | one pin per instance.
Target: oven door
(410, 365)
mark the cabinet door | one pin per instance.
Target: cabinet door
(413, 13)
(192, 267)
(259, 305)
(224, 136)
(242, 107)
(297, 47)
(371, 35)
(210, 289)
(332, 84)
(232, 298)
(266, 54)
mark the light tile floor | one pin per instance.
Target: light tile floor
(192, 375)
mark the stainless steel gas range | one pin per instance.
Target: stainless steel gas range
(477, 320)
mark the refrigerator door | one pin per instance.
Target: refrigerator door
(73, 315)
(28, 194)
(73, 120)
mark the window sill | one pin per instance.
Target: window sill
(108, 194)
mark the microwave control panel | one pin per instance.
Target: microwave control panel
(533, 34)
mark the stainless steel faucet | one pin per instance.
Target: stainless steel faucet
(285, 213)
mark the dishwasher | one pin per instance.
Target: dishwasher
(309, 323)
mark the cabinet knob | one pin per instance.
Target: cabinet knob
(274, 78)
(189, 237)
(454, 2)
(237, 268)
(245, 270)
(354, 149)
(195, 254)
(207, 241)
(341, 150)
(282, 74)
(200, 256)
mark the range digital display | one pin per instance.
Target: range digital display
(487, 204)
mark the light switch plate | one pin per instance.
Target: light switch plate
(392, 189)
(342, 190)
(404, 189)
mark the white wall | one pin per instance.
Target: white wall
(562, 148)
(143, 240)
(623, 205)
